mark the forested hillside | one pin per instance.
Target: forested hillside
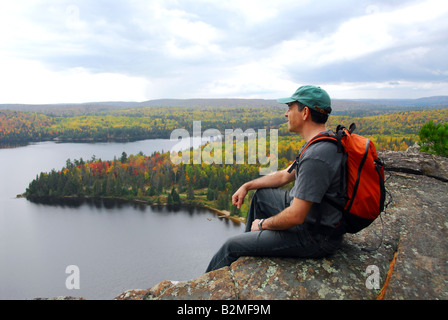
(392, 131)
(129, 124)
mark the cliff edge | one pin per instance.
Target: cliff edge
(410, 264)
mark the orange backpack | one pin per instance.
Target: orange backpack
(362, 178)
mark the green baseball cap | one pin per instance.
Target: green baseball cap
(311, 96)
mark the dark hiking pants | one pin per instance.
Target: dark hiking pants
(296, 242)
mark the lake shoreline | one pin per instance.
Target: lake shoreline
(220, 213)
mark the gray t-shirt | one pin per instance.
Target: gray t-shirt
(318, 174)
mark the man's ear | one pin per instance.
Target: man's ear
(306, 113)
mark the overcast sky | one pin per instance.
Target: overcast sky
(56, 51)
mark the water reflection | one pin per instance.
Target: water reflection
(116, 203)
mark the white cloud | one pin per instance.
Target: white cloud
(254, 12)
(207, 48)
(257, 79)
(180, 34)
(23, 81)
(373, 32)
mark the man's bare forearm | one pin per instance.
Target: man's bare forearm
(277, 179)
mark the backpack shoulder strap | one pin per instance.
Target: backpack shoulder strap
(325, 136)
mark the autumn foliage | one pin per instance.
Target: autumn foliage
(151, 178)
(155, 178)
(389, 131)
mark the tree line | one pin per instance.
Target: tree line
(153, 179)
(129, 124)
(391, 131)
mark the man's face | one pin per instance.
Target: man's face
(294, 117)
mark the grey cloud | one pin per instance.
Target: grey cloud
(109, 45)
(121, 37)
(383, 66)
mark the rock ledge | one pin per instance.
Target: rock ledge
(411, 262)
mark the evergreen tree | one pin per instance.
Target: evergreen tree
(169, 199)
(190, 191)
(97, 188)
(434, 138)
(210, 194)
(222, 202)
(175, 196)
(124, 157)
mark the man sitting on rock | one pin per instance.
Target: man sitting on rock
(295, 223)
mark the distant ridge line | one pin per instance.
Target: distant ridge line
(338, 104)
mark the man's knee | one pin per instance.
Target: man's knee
(231, 245)
(238, 244)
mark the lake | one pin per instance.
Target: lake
(116, 245)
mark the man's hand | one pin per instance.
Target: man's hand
(238, 197)
(254, 226)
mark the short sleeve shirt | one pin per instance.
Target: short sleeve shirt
(318, 174)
